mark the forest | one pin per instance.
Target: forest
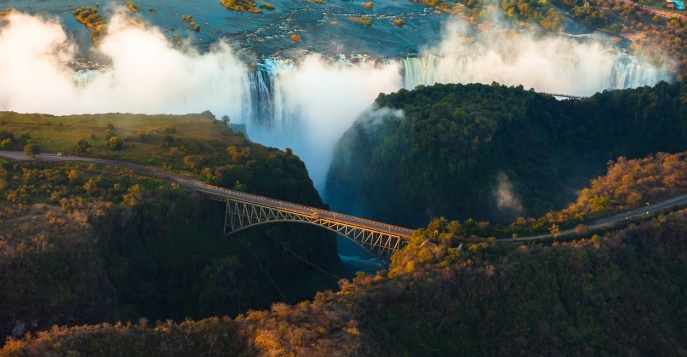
(621, 293)
(86, 243)
(493, 152)
(100, 260)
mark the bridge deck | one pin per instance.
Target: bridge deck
(223, 194)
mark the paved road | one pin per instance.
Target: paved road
(618, 218)
(200, 186)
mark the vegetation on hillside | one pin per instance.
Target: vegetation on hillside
(493, 152)
(81, 243)
(621, 294)
(628, 184)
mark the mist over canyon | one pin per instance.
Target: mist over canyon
(304, 101)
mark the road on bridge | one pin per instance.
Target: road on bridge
(201, 186)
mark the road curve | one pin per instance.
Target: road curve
(617, 218)
(202, 187)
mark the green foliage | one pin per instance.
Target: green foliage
(147, 247)
(115, 143)
(31, 150)
(628, 184)
(493, 151)
(82, 147)
(591, 16)
(441, 297)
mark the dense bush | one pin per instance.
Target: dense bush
(493, 152)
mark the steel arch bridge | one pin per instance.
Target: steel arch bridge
(244, 211)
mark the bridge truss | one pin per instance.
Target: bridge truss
(240, 215)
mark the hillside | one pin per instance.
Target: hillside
(493, 152)
(620, 294)
(86, 243)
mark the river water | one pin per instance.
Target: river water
(324, 28)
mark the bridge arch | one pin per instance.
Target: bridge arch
(380, 243)
(377, 253)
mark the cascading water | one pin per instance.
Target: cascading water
(269, 102)
(628, 72)
(566, 75)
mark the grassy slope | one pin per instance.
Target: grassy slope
(60, 133)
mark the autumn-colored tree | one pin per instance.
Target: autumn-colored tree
(133, 195)
(31, 150)
(82, 146)
(581, 230)
(115, 143)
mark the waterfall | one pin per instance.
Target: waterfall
(268, 101)
(566, 75)
(259, 97)
(628, 72)
(83, 77)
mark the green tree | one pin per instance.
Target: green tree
(82, 146)
(599, 203)
(115, 143)
(31, 150)
(167, 140)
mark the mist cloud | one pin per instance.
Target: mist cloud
(33, 56)
(327, 98)
(145, 73)
(506, 199)
(553, 63)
